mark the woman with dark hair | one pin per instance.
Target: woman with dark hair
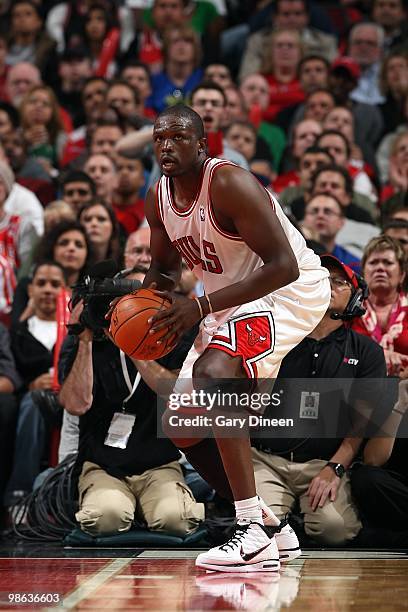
(102, 229)
(394, 86)
(41, 124)
(66, 243)
(386, 318)
(9, 118)
(101, 38)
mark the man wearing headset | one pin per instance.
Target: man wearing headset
(313, 470)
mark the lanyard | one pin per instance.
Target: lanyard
(125, 371)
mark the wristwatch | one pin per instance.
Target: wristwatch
(337, 468)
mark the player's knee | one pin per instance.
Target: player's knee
(331, 529)
(106, 519)
(173, 432)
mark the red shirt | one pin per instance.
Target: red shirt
(289, 179)
(130, 216)
(282, 95)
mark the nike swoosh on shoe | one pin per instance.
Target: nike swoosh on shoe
(252, 555)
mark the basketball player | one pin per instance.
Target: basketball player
(264, 292)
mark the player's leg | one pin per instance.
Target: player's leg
(253, 546)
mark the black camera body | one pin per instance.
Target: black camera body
(97, 290)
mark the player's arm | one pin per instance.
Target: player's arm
(240, 202)
(165, 268)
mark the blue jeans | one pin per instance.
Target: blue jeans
(28, 450)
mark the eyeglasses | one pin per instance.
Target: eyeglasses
(328, 212)
(339, 283)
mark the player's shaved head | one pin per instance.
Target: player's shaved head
(186, 114)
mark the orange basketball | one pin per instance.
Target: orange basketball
(130, 329)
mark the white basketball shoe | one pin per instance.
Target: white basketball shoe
(252, 548)
(286, 539)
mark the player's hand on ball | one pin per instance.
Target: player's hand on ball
(178, 318)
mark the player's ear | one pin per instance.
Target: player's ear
(202, 145)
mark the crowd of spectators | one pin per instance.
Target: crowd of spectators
(311, 96)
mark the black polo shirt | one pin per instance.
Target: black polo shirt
(342, 354)
(144, 450)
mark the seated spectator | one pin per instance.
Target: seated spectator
(102, 230)
(386, 321)
(127, 203)
(394, 86)
(137, 249)
(341, 118)
(77, 189)
(57, 211)
(41, 125)
(10, 382)
(397, 229)
(137, 74)
(318, 104)
(74, 68)
(104, 136)
(313, 72)
(255, 92)
(281, 57)
(28, 40)
(22, 202)
(20, 79)
(324, 216)
(68, 245)
(93, 102)
(380, 483)
(181, 68)
(303, 136)
(102, 171)
(235, 108)
(368, 123)
(7, 287)
(397, 167)
(385, 147)
(292, 15)
(209, 101)
(339, 148)
(17, 234)
(4, 68)
(9, 118)
(29, 172)
(148, 44)
(33, 344)
(138, 479)
(125, 99)
(392, 17)
(220, 74)
(295, 196)
(315, 471)
(337, 181)
(366, 48)
(241, 136)
(101, 38)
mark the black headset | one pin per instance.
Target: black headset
(355, 306)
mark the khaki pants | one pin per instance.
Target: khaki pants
(280, 481)
(159, 497)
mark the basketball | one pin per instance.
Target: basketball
(130, 329)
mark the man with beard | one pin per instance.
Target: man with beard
(127, 203)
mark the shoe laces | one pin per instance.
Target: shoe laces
(236, 539)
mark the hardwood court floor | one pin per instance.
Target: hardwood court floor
(167, 580)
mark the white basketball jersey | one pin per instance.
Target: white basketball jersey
(216, 257)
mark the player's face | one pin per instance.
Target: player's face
(176, 145)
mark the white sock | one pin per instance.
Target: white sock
(269, 518)
(248, 510)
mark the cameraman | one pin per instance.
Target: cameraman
(139, 475)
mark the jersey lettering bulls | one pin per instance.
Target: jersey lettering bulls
(217, 257)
